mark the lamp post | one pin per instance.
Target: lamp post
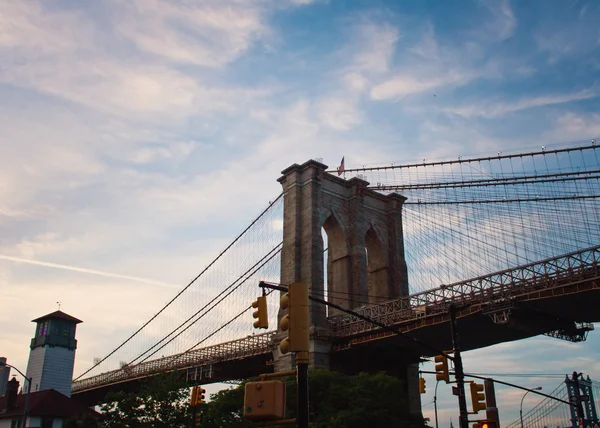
(28, 379)
(435, 403)
(539, 388)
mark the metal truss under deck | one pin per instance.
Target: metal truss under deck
(497, 287)
(249, 346)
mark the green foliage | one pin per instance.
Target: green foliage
(225, 409)
(336, 401)
(357, 401)
(86, 422)
(163, 402)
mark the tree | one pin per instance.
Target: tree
(84, 422)
(162, 403)
(336, 401)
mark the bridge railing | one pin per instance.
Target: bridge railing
(236, 349)
(506, 284)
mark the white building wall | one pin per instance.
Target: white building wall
(58, 369)
(51, 368)
(34, 368)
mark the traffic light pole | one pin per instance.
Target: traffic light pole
(302, 385)
(463, 417)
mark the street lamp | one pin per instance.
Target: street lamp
(539, 388)
(28, 379)
(435, 403)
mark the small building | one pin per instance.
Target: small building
(47, 409)
(52, 354)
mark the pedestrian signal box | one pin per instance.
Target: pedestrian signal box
(264, 401)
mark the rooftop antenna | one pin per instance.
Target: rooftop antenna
(58, 303)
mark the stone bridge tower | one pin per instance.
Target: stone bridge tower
(365, 253)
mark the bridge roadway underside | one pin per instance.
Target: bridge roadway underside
(380, 350)
(223, 371)
(374, 351)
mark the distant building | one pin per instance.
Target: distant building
(52, 354)
(50, 367)
(47, 409)
(4, 376)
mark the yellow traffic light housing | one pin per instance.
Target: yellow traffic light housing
(197, 396)
(261, 313)
(441, 368)
(477, 397)
(422, 388)
(296, 322)
(264, 400)
(193, 396)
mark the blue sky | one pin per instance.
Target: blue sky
(138, 137)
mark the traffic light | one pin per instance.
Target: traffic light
(296, 322)
(261, 313)
(264, 400)
(200, 397)
(441, 369)
(421, 385)
(477, 397)
(194, 396)
(197, 397)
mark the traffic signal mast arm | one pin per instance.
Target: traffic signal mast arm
(272, 286)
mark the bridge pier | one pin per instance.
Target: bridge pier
(365, 258)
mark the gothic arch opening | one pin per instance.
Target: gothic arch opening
(377, 268)
(336, 263)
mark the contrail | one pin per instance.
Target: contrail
(90, 271)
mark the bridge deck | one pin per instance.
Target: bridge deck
(538, 280)
(498, 287)
(249, 346)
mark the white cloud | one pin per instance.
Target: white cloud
(210, 33)
(338, 113)
(573, 126)
(377, 45)
(493, 109)
(505, 22)
(27, 26)
(176, 151)
(64, 57)
(408, 84)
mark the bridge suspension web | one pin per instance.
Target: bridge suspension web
(471, 216)
(463, 218)
(210, 308)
